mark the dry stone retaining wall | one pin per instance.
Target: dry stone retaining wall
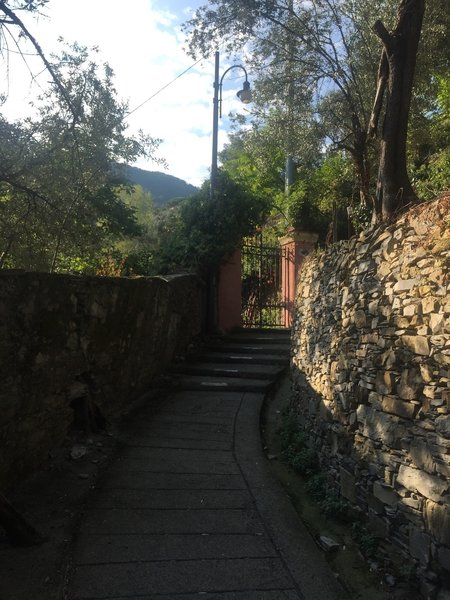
(371, 369)
(68, 342)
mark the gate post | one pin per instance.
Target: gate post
(295, 247)
(230, 293)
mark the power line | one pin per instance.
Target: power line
(163, 88)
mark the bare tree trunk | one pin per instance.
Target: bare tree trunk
(396, 74)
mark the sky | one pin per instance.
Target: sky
(144, 45)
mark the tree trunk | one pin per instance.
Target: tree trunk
(362, 166)
(396, 74)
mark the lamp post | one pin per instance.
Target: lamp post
(244, 95)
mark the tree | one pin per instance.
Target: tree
(197, 235)
(13, 29)
(136, 253)
(315, 68)
(319, 57)
(395, 79)
(59, 177)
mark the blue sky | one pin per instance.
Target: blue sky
(143, 43)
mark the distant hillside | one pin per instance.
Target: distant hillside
(162, 187)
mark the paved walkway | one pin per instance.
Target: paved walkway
(189, 508)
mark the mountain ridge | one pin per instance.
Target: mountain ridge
(161, 186)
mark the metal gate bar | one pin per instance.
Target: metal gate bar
(262, 298)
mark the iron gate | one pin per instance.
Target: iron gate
(264, 271)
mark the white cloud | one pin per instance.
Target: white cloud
(143, 44)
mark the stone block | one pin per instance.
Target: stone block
(378, 525)
(421, 455)
(444, 558)
(364, 266)
(359, 318)
(443, 426)
(429, 305)
(401, 322)
(384, 382)
(410, 385)
(426, 371)
(408, 311)
(385, 493)
(412, 502)
(394, 406)
(405, 285)
(417, 343)
(437, 323)
(380, 426)
(348, 488)
(373, 307)
(375, 504)
(437, 518)
(429, 391)
(430, 486)
(375, 400)
(419, 546)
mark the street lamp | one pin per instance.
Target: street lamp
(244, 95)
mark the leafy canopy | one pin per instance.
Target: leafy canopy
(59, 207)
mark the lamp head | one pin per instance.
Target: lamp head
(245, 95)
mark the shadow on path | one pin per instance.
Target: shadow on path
(189, 505)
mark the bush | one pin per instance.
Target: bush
(199, 233)
(316, 486)
(367, 542)
(335, 507)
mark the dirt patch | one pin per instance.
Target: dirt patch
(361, 579)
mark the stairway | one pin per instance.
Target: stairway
(188, 508)
(249, 360)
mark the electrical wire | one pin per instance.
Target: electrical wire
(163, 88)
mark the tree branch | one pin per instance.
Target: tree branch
(383, 74)
(15, 20)
(384, 35)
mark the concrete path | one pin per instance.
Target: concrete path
(189, 509)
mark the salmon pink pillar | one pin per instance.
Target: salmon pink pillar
(295, 247)
(230, 294)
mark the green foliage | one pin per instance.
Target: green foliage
(431, 167)
(137, 252)
(321, 187)
(303, 207)
(314, 70)
(304, 461)
(199, 233)
(60, 208)
(289, 432)
(367, 542)
(295, 452)
(335, 507)
(433, 176)
(316, 486)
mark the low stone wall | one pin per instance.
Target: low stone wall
(71, 343)
(371, 370)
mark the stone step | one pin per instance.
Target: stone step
(259, 337)
(242, 370)
(222, 384)
(239, 358)
(252, 348)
